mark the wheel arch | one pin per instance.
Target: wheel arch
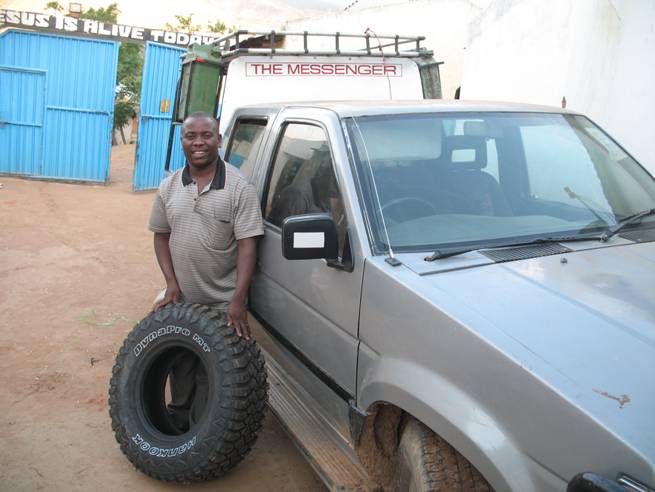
(392, 392)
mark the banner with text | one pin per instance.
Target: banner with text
(98, 29)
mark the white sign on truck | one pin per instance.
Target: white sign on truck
(264, 79)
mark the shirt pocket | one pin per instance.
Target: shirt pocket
(217, 228)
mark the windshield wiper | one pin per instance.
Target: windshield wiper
(575, 196)
(630, 219)
(448, 252)
(607, 233)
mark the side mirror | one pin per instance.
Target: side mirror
(309, 237)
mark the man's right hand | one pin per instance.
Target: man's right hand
(171, 296)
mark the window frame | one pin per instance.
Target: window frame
(266, 189)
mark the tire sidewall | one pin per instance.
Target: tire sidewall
(409, 464)
(148, 447)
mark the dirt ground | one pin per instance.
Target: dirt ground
(76, 271)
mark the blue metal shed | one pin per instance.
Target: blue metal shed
(161, 70)
(56, 105)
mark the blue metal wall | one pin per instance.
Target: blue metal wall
(56, 105)
(161, 70)
(22, 105)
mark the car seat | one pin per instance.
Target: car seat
(470, 189)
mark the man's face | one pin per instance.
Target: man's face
(200, 141)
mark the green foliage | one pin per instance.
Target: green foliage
(124, 111)
(130, 65)
(184, 24)
(128, 78)
(56, 6)
(217, 27)
(103, 14)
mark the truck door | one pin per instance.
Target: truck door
(309, 309)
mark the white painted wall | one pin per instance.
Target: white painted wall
(445, 23)
(599, 54)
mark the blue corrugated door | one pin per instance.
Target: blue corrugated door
(22, 103)
(57, 102)
(161, 70)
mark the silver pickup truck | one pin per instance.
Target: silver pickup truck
(450, 297)
(473, 302)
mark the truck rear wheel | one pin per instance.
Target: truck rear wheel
(426, 463)
(231, 399)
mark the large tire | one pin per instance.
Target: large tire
(426, 463)
(236, 395)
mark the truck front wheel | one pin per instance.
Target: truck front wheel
(427, 463)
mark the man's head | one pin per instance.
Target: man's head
(200, 139)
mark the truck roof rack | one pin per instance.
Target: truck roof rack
(245, 42)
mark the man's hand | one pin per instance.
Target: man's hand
(172, 295)
(237, 316)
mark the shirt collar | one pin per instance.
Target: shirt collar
(218, 183)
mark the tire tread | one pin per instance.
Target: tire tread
(441, 467)
(239, 418)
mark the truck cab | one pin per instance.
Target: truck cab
(461, 267)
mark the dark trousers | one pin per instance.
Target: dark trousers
(189, 388)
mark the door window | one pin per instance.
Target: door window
(245, 143)
(303, 179)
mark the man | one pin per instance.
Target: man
(205, 219)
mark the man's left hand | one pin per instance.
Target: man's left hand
(237, 317)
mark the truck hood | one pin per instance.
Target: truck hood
(582, 322)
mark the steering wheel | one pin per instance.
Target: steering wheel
(396, 202)
(444, 200)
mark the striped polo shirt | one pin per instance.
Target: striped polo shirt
(205, 228)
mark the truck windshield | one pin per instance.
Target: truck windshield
(465, 179)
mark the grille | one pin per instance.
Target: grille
(525, 252)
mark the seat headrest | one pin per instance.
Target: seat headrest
(465, 151)
(475, 128)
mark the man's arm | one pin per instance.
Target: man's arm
(237, 315)
(163, 254)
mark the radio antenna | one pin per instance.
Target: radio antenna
(368, 33)
(391, 259)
